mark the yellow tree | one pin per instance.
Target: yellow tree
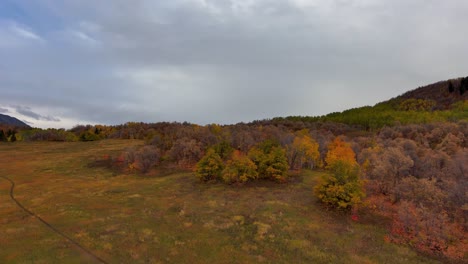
(210, 166)
(343, 188)
(304, 151)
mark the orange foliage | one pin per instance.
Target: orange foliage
(339, 150)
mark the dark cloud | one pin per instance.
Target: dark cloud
(26, 111)
(223, 61)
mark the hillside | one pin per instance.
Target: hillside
(12, 121)
(444, 93)
(439, 102)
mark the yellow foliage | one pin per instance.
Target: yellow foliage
(305, 150)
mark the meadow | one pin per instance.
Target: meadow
(170, 218)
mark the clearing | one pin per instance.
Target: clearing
(169, 219)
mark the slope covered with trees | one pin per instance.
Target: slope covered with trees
(440, 102)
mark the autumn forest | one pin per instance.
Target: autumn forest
(403, 161)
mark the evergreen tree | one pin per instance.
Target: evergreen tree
(3, 138)
(463, 85)
(451, 88)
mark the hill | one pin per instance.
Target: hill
(12, 121)
(439, 102)
(443, 94)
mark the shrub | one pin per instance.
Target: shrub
(271, 162)
(147, 157)
(210, 166)
(343, 188)
(142, 159)
(239, 169)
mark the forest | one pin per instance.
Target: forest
(404, 160)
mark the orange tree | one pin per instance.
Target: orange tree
(339, 150)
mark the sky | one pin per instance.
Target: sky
(67, 62)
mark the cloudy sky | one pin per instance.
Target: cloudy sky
(219, 61)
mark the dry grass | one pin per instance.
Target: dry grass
(169, 219)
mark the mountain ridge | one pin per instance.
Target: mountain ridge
(12, 121)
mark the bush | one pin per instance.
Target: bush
(146, 158)
(343, 189)
(271, 162)
(239, 169)
(142, 159)
(210, 166)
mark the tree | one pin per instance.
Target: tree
(451, 89)
(271, 161)
(339, 150)
(210, 166)
(186, 151)
(13, 137)
(304, 151)
(239, 169)
(389, 168)
(3, 137)
(463, 85)
(146, 157)
(343, 188)
(223, 149)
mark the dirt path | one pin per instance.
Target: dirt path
(71, 240)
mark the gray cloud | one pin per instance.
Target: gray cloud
(3, 110)
(26, 111)
(224, 61)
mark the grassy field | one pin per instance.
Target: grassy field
(169, 219)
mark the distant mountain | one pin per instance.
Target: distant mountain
(12, 121)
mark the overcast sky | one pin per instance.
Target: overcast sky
(64, 63)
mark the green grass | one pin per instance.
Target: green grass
(171, 218)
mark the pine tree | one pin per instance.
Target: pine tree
(463, 85)
(451, 88)
(3, 138)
